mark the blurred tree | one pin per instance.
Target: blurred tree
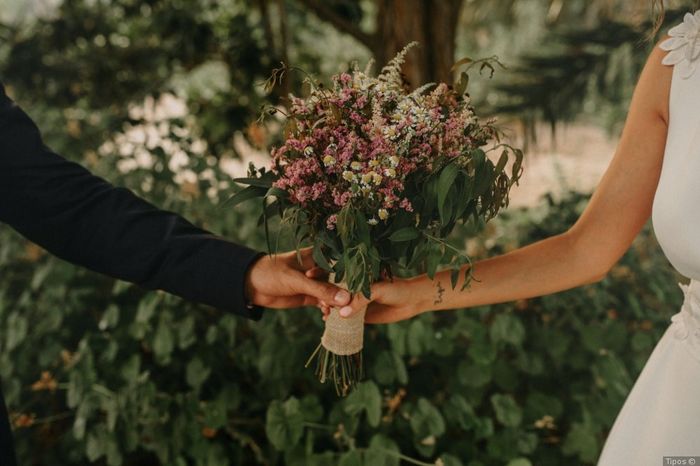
(590, 71)
(432, 23)
(568, 54)
(96, 60)
(214, 53)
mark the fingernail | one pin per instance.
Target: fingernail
(345, 311)
(342, 297)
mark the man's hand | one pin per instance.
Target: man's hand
(391, 301)
(279, 282)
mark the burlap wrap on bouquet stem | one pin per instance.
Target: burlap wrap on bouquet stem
(339, 354)
(343, 335)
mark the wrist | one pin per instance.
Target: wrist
(434, 292)
(420, 290)
(249, 286)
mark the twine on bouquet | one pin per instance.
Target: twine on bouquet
(339, 354)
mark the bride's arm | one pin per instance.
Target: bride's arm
(618, 209)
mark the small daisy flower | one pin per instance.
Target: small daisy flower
(356, 165)
(390, 132)
(348, 175)
(373, 221)
(383, 214)
(308, 150)
(328, 160)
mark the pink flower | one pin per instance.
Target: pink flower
(340, 198)
(345, 78)
(317, 190)
(361, 145)
(331, 222)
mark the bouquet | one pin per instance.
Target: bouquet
(376, 177)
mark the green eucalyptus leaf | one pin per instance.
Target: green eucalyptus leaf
(444, 186)
(462, 83)
(502, 161)
(404, 234)
(248, 193)
(433, 259)
(320, 258)
(257, 182)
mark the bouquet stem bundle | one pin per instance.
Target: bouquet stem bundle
(339, 354)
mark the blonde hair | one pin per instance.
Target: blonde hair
(658, 10)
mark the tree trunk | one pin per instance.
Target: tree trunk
(432, 23)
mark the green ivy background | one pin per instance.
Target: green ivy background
(144, 378)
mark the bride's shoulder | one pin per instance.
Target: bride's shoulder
(653, 89)
(681, 48)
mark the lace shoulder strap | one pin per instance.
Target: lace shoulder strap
(684, 45)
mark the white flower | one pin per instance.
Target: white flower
(684, 45)
(328, 160)
(348, 175)
(308, 150)
(383, 214)
(390, 172)
(390, 132)
(404, 106)
(356, 165)
(394, 161)
(372, 221)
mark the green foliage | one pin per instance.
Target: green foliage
(144, 378)
(365, 398)
(285, 423)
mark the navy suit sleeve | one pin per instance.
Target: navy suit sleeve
(83, 219)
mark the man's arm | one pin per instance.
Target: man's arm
(85, 220)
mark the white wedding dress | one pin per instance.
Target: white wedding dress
(661, 416)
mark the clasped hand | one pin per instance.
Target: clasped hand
(286, 280)
(279, 282)
(391, 301)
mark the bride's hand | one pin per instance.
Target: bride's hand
(391, 301)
